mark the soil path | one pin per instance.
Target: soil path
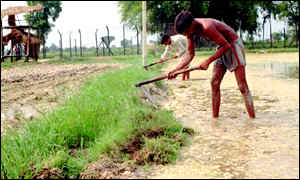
(234, 146)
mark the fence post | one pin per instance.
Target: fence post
(80, 42)
(137, 39)
(103, 49)
(124, 38)
(108, 43)
(70, 40)
(271, 39)
(75, 48)
(60, 44)
(96, 43)
(144, 53)
(284, 37)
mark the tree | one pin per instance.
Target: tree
(268, 8)
(41, 19)
(277, 36)
(128, 43)
(111, 38)
(53, 48)
(131, 12)
(290, 10)
(161, 14)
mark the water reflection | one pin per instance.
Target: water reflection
(283, 69)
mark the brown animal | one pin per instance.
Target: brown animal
(18, 36)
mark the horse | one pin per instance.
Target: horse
(19, 36)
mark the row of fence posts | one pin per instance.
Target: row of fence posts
(104, 43)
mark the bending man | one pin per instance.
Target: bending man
(178, 43)
(229, 55)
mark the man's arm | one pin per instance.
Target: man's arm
(219, 39)
(166, 52)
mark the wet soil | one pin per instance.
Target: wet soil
(30, 91)
(108, 168)
(235, 146)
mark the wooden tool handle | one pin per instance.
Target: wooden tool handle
(164, 77)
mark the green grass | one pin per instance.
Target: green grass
(105, 113)
(8, 64)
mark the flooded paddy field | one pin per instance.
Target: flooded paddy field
(235, 146)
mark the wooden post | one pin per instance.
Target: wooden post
(124, 38)
(96, 43)
(75, 48)
(2, 45)
(28, 46)
(284, 37)
(70, 44)
(60, 43)
(144, 53)
(80, 42)
(137, 39)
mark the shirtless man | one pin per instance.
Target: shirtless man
(178, 43)
(229, 55)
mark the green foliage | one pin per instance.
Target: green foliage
(289, 10)
(160, 12)
(277, 36)
(41, 19)
(126, 42)
(111, 39)
(162, 149)
(131, 12)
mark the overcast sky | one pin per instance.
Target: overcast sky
(89, 16)
(86, 16)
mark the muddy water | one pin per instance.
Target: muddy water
(234, 146)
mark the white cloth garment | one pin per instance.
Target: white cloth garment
(179, 44)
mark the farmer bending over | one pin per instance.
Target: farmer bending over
(178, 43)
(229, 55)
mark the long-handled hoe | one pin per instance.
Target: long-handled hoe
(164, 77)
(158, 79)
(157, 62)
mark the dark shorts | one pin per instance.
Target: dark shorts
(231, 61)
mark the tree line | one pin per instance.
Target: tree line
(242, 16)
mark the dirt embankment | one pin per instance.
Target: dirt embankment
(235, 146)
(28, 91)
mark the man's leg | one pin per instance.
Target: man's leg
(183, 76)
(240, 76)
(217, 77)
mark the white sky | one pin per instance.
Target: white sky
(86, 16)
(91, 15)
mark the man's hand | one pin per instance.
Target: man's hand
(175, 56)
(161, 60)
(171, 74)
(203, 66)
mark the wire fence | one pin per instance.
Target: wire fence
(124, 40)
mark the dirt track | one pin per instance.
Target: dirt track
(234, 146)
